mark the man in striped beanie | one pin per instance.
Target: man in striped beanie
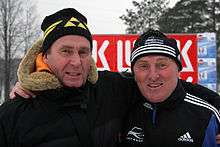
(166, 115)
(155, 42)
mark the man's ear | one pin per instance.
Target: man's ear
(134, 76)
(45, 58)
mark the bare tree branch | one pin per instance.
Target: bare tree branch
(17, 27)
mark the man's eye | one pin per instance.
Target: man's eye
(143, 66)
(66, 51)
(162, 66)
(83, 53)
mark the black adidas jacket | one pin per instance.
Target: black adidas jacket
(182, 120)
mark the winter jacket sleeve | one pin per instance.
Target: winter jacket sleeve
(210, 134)
(2, 136)
(3, 121)
(7, 122)
(202, 92)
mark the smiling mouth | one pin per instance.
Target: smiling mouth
(73, 74)
(155, 85)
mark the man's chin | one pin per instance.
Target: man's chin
(155, 99)
(77, 84)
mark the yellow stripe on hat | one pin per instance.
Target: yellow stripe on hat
(68, 24)
(51, 28)
(74, 19)
(71, 24)
(82, 26)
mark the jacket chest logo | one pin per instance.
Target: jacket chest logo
(135, 134)
(185, 138)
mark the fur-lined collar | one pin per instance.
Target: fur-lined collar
(39, 81)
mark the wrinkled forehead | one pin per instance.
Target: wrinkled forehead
(72, 41)
(150, 58)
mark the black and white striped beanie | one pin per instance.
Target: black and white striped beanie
(154, 42)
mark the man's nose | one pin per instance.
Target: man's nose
(153, 73)
(75, 60)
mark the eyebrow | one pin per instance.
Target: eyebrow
(163, 58)
(71, 47)
(158, 59)
(66, 46)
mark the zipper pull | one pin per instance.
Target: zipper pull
(154, 115)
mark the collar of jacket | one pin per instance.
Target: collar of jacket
(40, 81)
(172, 101)
(65, 98)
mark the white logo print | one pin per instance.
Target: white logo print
(135, 134)
(147, 105)
(185, 138)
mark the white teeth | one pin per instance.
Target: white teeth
(155, 85)
(73, 74)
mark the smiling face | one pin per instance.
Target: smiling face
(69, 59)
(156, 77)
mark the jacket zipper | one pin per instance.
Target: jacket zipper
(154, 115)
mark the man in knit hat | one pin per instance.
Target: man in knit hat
(166, 115)
(69, 109)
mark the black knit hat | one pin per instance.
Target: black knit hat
(64, 22)
(154, 42)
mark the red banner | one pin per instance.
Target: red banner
(112, 52)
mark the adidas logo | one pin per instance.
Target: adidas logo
(185, 138)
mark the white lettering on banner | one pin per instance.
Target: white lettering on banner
(189, 79)
(100, 53)
(120, 58)
(94, 50)
(189, 67)
(124, 51)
